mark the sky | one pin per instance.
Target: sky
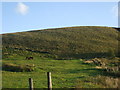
(25, 16)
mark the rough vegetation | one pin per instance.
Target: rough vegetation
(18, 68)
(77, 57)
(65, 43)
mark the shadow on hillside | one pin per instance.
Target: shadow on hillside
(65, 56)
(91, 71)
(95, 72)
(69, 56)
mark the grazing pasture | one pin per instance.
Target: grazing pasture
(65, 74)
(77, 57)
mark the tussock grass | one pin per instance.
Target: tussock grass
(17, 68)
(99, 82)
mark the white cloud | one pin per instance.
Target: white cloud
(22, 8)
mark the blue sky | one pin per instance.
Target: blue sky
(25, 16)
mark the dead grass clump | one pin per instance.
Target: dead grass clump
(88, 61)
(17, 68)
(108, 82)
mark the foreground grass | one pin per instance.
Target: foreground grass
(65, 74)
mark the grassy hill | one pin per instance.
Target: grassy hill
(63, 43)
(45, 46)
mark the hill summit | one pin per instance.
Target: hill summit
(64, 43)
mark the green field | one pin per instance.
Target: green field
(65, 74)
(63, 52)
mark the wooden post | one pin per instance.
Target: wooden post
(49, 81)
(30, 84)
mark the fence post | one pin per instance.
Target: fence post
(49, 81)
(30, 84)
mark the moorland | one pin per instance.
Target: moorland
(77, 57)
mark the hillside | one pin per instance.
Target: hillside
(63, 43)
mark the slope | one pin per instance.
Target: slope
(64, 43)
